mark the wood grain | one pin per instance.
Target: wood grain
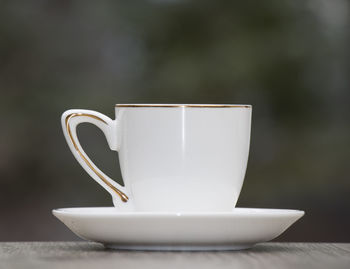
(92, 255)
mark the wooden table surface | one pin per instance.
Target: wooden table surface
(92, 255)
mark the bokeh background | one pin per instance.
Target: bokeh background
(289, 59)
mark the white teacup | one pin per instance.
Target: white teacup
(172, 157)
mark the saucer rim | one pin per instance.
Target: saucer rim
(238, 211)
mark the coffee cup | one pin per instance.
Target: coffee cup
(173, 157)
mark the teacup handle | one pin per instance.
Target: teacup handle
(70, 120)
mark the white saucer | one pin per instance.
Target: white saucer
(240, 229)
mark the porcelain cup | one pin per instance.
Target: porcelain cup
(173, 157)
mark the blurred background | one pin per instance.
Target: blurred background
(289, 59)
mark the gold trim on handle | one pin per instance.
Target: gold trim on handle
(178, 105)
(122, 195)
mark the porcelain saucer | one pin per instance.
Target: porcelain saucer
(241, 228)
